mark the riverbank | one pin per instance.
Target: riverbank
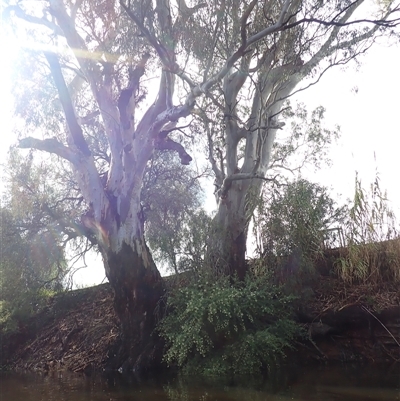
(78, 330)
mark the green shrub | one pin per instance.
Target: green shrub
(294, 225)
(216, 326)
(22, 308)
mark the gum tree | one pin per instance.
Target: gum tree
(226, 65)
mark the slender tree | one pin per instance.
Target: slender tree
(229, 64)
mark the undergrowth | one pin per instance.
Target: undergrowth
(220, 326)
(373, 246)
(23, 307)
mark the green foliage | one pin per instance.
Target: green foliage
(304, 142)
(31, 268)
(215, 326)
(297, 219)
(14, 314)
(176, 226)
(373, 246)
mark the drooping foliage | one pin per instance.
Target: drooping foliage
(176, 225)
(32, 263)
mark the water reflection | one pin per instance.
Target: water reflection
(350, 383)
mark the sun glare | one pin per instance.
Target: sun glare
(9, 48)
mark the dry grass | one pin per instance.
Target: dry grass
(373, 245)
(371, 262)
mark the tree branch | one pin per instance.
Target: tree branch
(34, 20)
(186, 12)
(50, 145)
(75, 41)
(71, 228)
(165, 143)
(243, 21)
(125, 106)
(158, 47)
(379, 22)
(74, 128)
(226, 185)
(326, 49)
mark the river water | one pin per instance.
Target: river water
(348, 383)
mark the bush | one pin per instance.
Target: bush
(216, 326)
(16, 313)
(295, 223)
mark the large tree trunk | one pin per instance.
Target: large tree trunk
(138, 288)
(226, 248)
(239, 187)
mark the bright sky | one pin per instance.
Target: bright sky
(368, 119)
(369, 122)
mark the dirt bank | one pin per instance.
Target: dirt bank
(74, 331)
(78, 330)
(352, 323)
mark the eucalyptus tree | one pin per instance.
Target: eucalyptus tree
(227, 64)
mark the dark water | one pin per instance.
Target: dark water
(375, 383)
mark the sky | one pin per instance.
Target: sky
(363, 101)
(368, 117)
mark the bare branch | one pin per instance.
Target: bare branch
(88, 118)
(243, 21)
(71, 228)
(273, 28)
(326, 48)
(186, 12)
(218, 172)
(214, 45)
(125, 105)
(379, 22)
(75, 9)
(75, 42)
